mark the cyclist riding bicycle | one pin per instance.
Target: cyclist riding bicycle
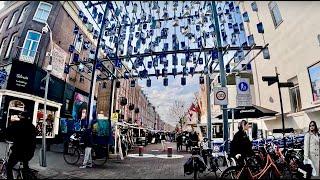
(22, 133)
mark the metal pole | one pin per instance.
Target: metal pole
(232, 122)
(222, 73)
(44, 123)
(93, 77)
(209, 124)
(282, 115)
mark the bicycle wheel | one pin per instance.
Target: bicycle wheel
(99, 155)
(72, 155)
(230, 173)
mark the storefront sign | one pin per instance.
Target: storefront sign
(115, 117)
(59, 57)
(21, 77)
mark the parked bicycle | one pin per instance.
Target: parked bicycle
(18, 171)
(76, 149)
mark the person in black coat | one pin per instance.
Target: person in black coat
(23, 135)
(241, 143)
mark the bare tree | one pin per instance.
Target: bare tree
(178, 111)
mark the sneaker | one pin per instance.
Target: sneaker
(83, 167)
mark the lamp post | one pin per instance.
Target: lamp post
(43, 162)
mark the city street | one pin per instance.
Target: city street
(129, 168)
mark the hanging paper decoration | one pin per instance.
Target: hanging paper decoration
(245, 17)
(148, 82)
(205, 70)
(149, 64)
(165, 81)
(157, 72)
(174, 60)
(266, 54)
(100, 16)
(183, 81)
(250, 40)
(185, 71)
(143, 73)
(183, 61)
(84, 19)
(126, 75)
(254, 6)
(241, 27)
(249, 67)
(81, 14)
(76, 29)
(260, 28)
(94, 12)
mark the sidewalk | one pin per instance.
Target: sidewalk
(129, 168)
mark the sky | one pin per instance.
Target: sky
(160, 96)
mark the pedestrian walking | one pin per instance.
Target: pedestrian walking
(179, 142)
(311, 147)
(163, 141)
(23, 135)
(241, 143)
(87, 139)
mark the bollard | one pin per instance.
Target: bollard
(169, 151)
(140, 150)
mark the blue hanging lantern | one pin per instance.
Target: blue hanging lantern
(100, 16)
(236, 28)
(254, 6)
(266, 54)
(174, 72)
(249, 67)
(183, 61)
(174, 60)
(241, 27)
(76, 58)
(95, 34)
(94, 12)
(110, 5)
(200, 61)
(164, 72)
(165, 81)
(132, 83)
(228, 68)
(245, 17)
(155, 62)
(126, 75)
(71, 48)
(191, 71)
(205, 70)
(260, 28)
(149, 64)
(66, 69)
(148, 82)
(76, 29)
(183, 81)
(250, 40)
(201, 80)
(81, 14)
(85, 19)
(199, 42)
(185, 71)
(230, 25)
(166, 46)
(157, 72)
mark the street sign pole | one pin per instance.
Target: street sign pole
(281, 105)
(222, 74)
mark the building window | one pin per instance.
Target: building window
(13, 19)
(2, 45)
(23, 14)
(30, 46)
(42, 12)
(295, 97)
(78, 42)
(275, 13)
(12, 40)
(3, 23)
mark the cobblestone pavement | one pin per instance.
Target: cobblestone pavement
(129, 168)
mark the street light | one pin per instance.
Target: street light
(43, 162)
(275, 79)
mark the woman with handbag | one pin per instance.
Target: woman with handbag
(311, 148)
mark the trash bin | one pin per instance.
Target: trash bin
(140, 150)
(169, 151)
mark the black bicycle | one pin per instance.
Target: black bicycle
(76, 149)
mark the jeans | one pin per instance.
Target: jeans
(13, 160)
(87, 156)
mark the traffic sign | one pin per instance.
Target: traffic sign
(220, 95)
(243, 92)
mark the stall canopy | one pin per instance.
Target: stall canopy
(249, 112)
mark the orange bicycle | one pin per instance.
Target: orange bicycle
(269, 170)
